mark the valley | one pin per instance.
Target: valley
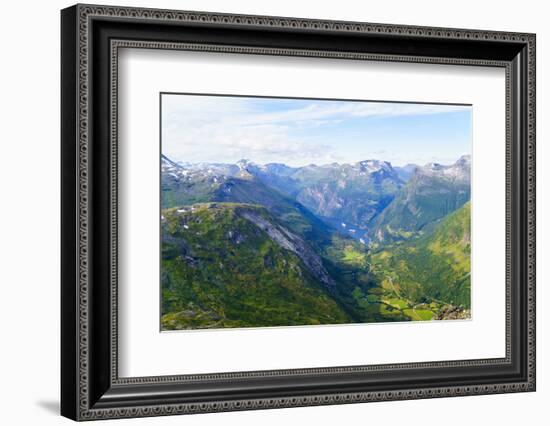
(248, 245)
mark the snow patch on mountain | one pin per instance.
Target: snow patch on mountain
(460, 170)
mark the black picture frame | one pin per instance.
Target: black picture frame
(90, 386)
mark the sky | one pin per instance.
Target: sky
(297, 132)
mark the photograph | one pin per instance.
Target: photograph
(278, 211)
(265, 208)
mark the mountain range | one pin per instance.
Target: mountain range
(249, 244)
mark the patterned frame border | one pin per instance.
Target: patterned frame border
(86, 13)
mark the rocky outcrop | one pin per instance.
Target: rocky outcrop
(290, 241)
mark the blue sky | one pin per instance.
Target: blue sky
(297, 132)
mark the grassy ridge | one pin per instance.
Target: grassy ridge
(432, 269)
(220, 270)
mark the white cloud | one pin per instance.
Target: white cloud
(324, 110)
(225, 129)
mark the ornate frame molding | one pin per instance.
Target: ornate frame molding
(83, 15)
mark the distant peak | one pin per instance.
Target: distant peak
(167, 162)
(434, 166)
(465, 159)
(244, 163)
(460, 169)
(375, 162)
(372, 166)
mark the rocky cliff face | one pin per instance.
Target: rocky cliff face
(292, 242)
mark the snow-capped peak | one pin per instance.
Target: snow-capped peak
(458, 170)
(465, 160)
(372, 166)
(168, 165)
(244, 163)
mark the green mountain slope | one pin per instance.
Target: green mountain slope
(235, 265)
(432, 192)
(432, 272)
(242, 187)
(292, 214)
(239, 249)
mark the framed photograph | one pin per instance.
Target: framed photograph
(263, 212)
